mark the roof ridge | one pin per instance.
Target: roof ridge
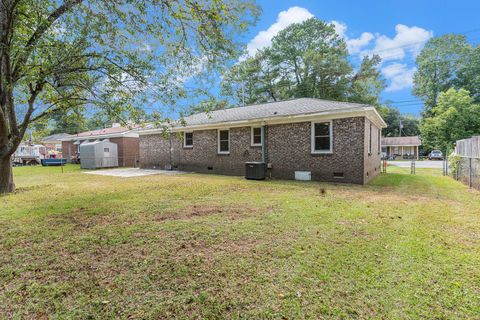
(273, 102)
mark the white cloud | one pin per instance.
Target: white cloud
(340, 28)
(406, 40)
(404, 46)
(354, 45)
(399, 75)
(285, 18)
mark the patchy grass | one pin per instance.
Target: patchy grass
(204, 246)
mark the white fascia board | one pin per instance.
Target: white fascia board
(127, 134)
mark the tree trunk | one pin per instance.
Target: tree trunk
(6, 176)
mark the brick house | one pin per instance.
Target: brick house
(127, 141)
(333, 141)
(53, 144)
(402, 147)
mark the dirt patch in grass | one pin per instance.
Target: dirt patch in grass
(19, 190)
(203, 210)
(80, 219)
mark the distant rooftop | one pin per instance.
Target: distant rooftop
(114, 130)
(56, 137)
(401, 141)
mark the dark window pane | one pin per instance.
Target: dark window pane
(322, 143)
(322, 129)
(257, 135)
(224, 146)
(224, 135)
(189, 138)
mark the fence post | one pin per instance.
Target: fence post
(469, 172)
(446, 163)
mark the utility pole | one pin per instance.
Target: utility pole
(400, 129)
(243, 88)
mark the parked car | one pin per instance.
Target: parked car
(435, 155)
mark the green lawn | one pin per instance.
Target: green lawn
(203, 246)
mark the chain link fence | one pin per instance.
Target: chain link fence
(466, 165)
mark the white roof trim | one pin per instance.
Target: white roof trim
(368, 112)
(128, 134)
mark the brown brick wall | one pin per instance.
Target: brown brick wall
(128, 151)
(68, 149)
(154, 151)
(288, 150)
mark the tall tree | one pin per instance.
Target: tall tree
(394, 119)
(57, 55)
(438, 64)
(468, 75)
(307, 59)
(455, 117)
(69, 121)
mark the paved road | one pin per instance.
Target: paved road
(418, 164)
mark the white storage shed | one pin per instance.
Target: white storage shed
(98, 154)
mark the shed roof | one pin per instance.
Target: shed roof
(401, 141)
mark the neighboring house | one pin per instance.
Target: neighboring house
(402, 147)
(53, 144)
(334, 141)
(126, 139)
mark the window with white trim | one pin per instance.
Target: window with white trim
(224, 141)
(322, 137)
(188, 139)
(256, 136)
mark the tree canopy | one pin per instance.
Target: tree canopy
(455, 117)
(393, 118)
(112, 54)
(445, 62)
(307, 59)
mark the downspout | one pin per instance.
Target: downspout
(264, 145)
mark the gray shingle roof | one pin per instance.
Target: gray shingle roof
(271, 110)
(56, 137)
(401, 141)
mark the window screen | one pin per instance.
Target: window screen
(223, 141)
(256, 136)
(322, 137)
(188, 139)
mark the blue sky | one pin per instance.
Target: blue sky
(396, 30)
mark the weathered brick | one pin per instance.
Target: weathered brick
(288, 150)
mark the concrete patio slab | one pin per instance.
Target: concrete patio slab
(133, 172)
